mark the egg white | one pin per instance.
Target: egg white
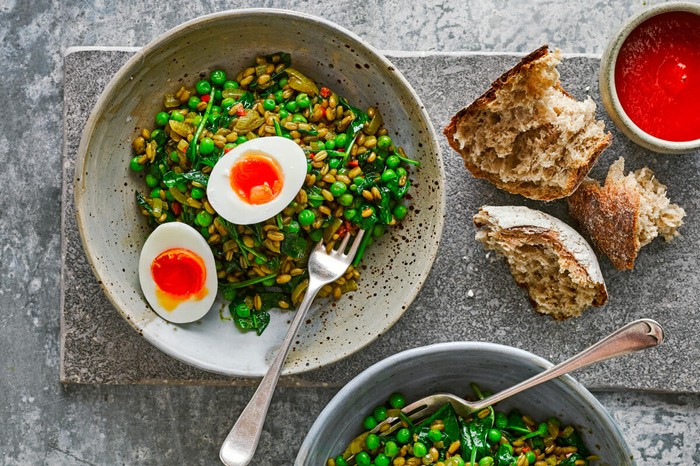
(178, 235)
(292, 162)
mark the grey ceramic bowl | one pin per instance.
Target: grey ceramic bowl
(451, 367)
(113, 230)
(608, 92)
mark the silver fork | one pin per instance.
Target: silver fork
(637, 335)
(324, 267)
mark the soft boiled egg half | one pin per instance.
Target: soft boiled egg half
(177, 273)
(257, 179)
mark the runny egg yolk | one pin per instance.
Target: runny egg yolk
(179, 275)
(256, 178)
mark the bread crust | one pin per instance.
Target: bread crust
(609, 216)
(527, 189)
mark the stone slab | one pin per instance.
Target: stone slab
(469, 294)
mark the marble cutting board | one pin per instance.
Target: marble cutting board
(469, 294)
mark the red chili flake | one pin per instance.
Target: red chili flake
(176, 207)
(240, 111)
(341, 230)
(227, 149)
(205, 98)
(353, 163)
(312, 155)
(325, 92)
(525, 449)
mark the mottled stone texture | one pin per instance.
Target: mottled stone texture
(45, 423)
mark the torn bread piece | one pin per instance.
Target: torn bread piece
(526, 134)
(628, 212)
(546, 256)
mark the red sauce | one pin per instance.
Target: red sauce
(179, 274)
(256, 178)
(657, 76)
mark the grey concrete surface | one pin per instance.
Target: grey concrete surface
(44, 422)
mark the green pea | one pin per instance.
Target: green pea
(215, 109)
(306, 217)
(381, 460)
(197, 120)
(242, 310)
(341, 139)
(378, 230)
(363, 459)
(309, 167)
(218, 77)
(316, 235)
(391, 449)
(358, 180)
(530, 455)
(291, 106)
(384, 142)
(230, 145)
(379, 413)
(330, 145)
(204, 218)
(334, 162)
(269, 104)
(177, 116)
(218, 95)
(397, 400)
(340, 461)
(337, 188)
(434, 435)
(400, 212)
(197, 193)
(228, 102)
(270, 281)
(403, 435)
(292, 227)
(349, 214)
(392, 161)
(283, 113)
(494, 436)
(488, 461)
(419, 449)
(162, 118)
(353, 188)
(298, 118)
(303, 101)
(174, 156)
(369, 422)
(204, 231)
(372, 441)
(182, 187)
(501, 420)
(203, 87)
(206, 146)
(283, 82)
(193, 102)
(388, 175)
(241, 140)
(169, 196)
(151, 181)
(320, 145)
(155, 193)
(346, 199)
(135, 165)
(230, 85)
(279, 96)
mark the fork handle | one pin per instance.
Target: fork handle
(635, 336)
(240, 444)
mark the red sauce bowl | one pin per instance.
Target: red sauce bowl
(650, 78)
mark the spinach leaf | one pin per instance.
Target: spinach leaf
(516, 424)
(294, 245)
(474, 436)
(570, 437)
(171, 178)
(257, 321)
(247, 99)
(504, 455)
(398, 191)
(571, 460)
(365, 223)
(450, 433)
(384, 206)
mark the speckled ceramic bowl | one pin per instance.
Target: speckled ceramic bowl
(608, 92)
(113, 230)
(451, 367)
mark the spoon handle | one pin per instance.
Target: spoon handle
(635, 336)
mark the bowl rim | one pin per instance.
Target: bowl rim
(607, 77)
(361, 379)
(127, 69)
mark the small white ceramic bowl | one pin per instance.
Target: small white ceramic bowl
(608, 91)
(451, 367)
(113, 230)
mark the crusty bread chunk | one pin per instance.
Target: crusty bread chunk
(626, 213)
(546, 256)
(526, 134)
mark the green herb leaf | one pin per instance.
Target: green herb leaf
(143, 203)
